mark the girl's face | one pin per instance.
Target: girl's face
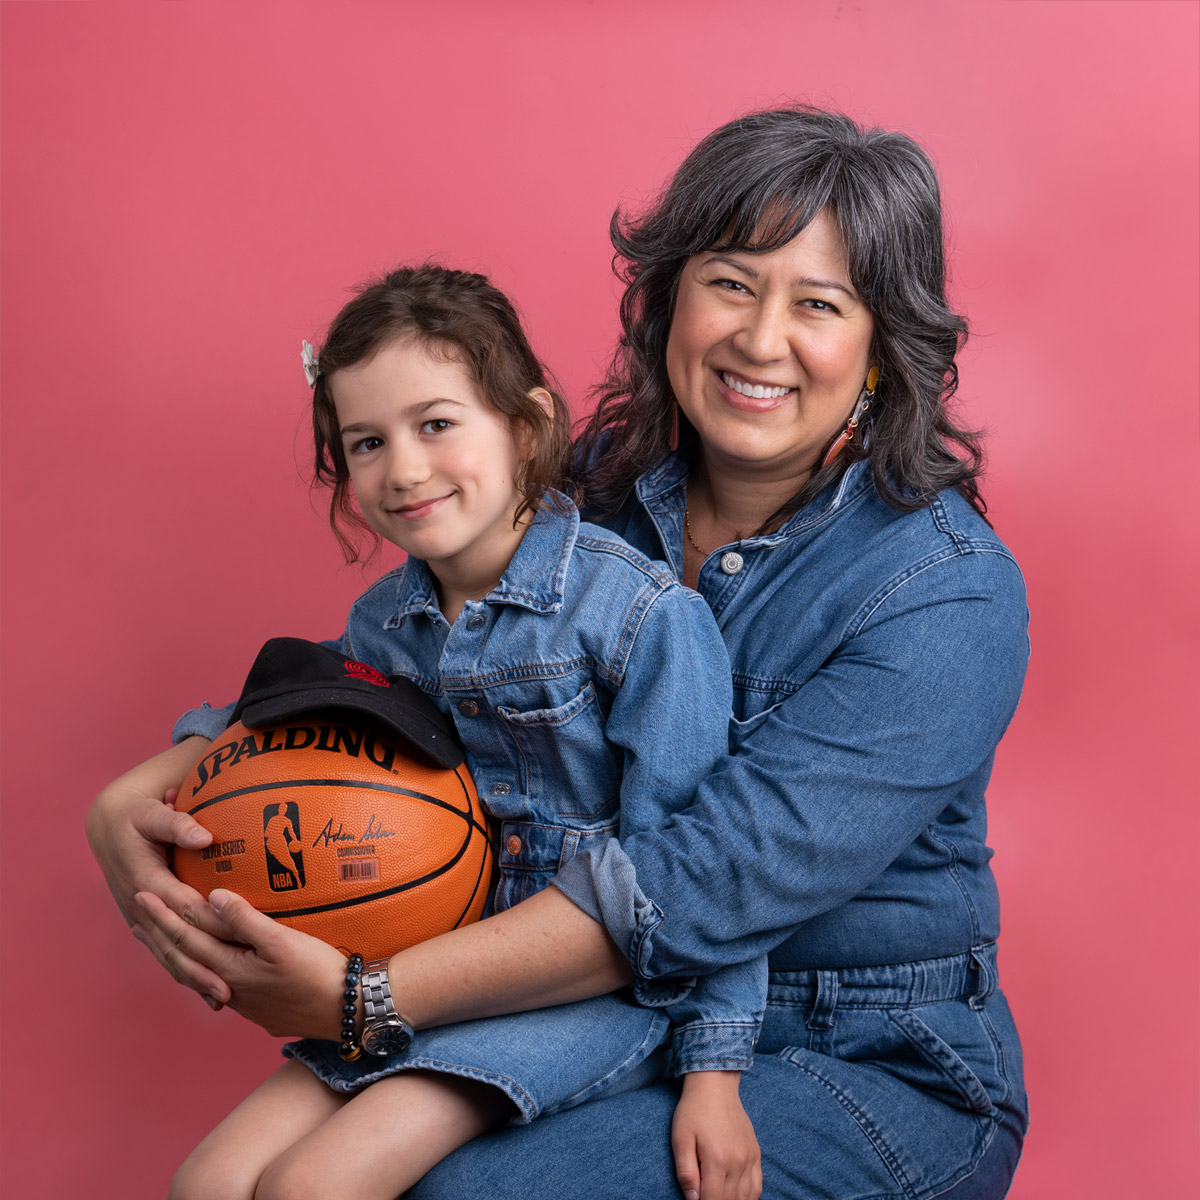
(767, 353)
(432, 465)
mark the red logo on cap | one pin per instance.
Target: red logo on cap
(357, 670)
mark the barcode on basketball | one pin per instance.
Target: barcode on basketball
(355, 871)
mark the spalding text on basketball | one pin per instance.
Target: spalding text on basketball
(337, 739)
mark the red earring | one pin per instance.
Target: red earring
(846, 436)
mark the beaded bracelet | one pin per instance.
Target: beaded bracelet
(350, 1049)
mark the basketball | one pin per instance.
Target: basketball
(325, 823)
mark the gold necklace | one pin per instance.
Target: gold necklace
(687, 525)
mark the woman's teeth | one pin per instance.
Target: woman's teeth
(754, 390)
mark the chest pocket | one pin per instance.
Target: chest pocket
(569, 767)
(751, 710)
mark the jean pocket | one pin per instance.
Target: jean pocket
(950, 1052)
(564, 754)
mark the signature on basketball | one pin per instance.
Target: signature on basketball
(373, 832)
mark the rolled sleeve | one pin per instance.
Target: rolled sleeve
(204, 721)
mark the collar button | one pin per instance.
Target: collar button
(732, 562)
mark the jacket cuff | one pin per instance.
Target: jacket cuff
(724, 1046)
(604, 884)
(204, 721)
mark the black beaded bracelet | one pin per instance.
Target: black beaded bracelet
(349, 1048)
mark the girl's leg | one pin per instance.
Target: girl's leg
(385, 1138)
(228, 1164)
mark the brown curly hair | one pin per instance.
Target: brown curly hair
(458, 314)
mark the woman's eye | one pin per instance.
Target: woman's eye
(729, 285)
(821, 305)
(437, 425)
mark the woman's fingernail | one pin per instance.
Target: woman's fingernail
(691, 1195)
(212, 1003)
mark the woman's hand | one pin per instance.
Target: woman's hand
(287, 982)
(716, 1153)
(131, 826)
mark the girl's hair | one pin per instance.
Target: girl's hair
(752, 186)
(460, 316)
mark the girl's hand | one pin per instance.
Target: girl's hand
(287, 982)
(716, 1153)
(131, 826)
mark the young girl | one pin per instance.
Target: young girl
(592, 694)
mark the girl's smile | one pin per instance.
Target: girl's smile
(432, 465)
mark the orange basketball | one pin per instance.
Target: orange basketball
(327, 825)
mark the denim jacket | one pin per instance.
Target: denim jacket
(877, 658)
(592, 694)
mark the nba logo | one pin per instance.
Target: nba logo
(281, 838)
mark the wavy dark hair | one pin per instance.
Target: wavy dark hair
(751, 186)
(460, 315)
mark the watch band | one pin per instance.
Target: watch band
(377, 992)
(385, 1031)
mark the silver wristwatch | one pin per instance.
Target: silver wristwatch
(385, 1031)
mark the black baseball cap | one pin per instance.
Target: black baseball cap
(292, 677)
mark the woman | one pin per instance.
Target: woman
(786, 311)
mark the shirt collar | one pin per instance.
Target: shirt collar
(535, 578)
(663, 489)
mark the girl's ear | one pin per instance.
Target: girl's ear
(543, 399)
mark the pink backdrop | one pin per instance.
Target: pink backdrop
(188, 190)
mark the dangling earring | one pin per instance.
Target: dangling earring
(673, 443)
(846, 436)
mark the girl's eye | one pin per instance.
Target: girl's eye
(437, 425)
(365, 445)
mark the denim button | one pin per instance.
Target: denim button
(468, 708)
(478, 621)
(513, 844)
(731, 562)
(501, 789)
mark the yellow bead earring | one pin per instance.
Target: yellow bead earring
(846, 435)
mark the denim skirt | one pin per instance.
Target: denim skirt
(545, 1061)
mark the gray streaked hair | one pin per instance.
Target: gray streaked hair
(752, 185)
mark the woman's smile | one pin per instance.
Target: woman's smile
(744, 394)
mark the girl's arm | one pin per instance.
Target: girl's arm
(541, 952)
(838, 781)
(130, 828)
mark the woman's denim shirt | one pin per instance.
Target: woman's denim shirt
(592, 694)
(877, 657)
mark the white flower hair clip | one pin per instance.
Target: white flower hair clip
(308, 356)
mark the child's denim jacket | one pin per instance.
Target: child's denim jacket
(592, 693)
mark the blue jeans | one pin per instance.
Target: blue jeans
(890, 1083)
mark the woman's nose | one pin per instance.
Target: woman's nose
(763, 336)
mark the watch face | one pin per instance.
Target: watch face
(387, 1037)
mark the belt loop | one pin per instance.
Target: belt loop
(570, 844)
(825, 1001)
(985, 983)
